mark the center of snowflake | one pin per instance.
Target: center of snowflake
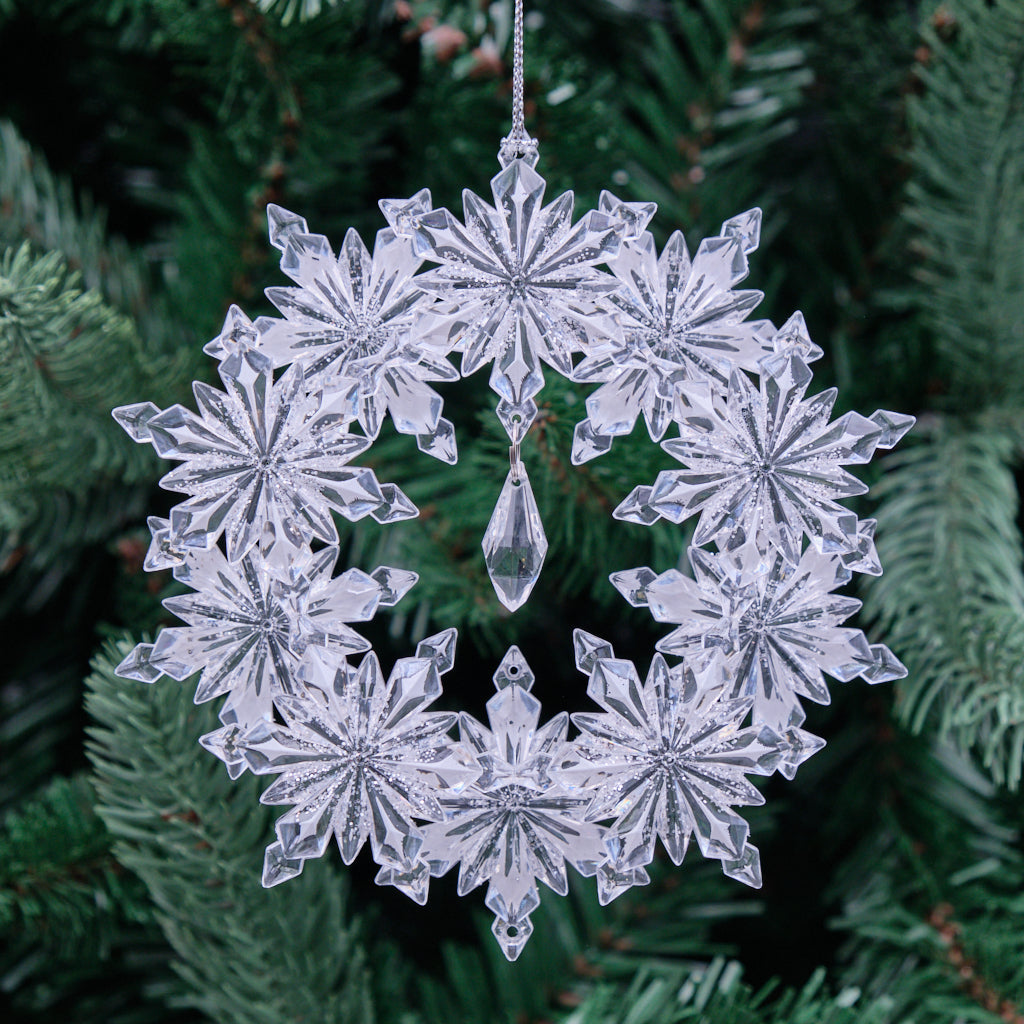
(266, 625)
(667, 760)
(513, 798)
(517, 285)
(665, 342)
(369, 337)
(361, 755)
(754, 623)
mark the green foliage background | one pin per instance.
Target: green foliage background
(140, 141)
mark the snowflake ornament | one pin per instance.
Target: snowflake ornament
(777, 625)
(265, 466)
(516, 823)
(249, 624)
(667, 759)
(679, 320)
(348, 322)
(262, 453)
(359, 758)
(517, 283)
(765, 462)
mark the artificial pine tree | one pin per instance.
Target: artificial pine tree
(884, 143)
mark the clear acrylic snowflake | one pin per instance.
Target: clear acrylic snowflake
(360, 758)
(349, 320)
(250, 623)
(667, 759)
(778, 625)
(680, 320)
(515, 824)
(516, 283)
(262, 453)
(265, 464)
(765, 462)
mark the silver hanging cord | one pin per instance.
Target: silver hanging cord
(517, 143)
(518, 115)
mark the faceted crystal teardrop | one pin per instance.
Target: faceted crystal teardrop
(514, 544)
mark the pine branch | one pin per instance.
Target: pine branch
(37, 723)
(725, 84)
(246, 954)
(69, 478)
(68, 357)
(932, 897)
(967, 198)
(59, 883)
(40, 208)
(132, 984)
(952, 598)
(716, 994)
(77, 934)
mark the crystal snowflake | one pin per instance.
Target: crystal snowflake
(360, 758)
(777, 624)
(680, 320)
(515, 283)
(361, 335)
(516, 823)
(765, 462)
(667, 759)
(262, 453)
(249, 623)
(349, 320)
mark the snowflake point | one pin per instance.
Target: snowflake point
(589, 649)
(513, 670)
(440, 648)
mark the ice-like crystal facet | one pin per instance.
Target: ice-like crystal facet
(792, 339)
(765, 462)
(894, 426)
(401, 214)
(515, 824)
(635, 216)
(667, 759)
(359, 758)
(680, 320)
(514, 543)
(237, 337)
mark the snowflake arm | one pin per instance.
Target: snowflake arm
(667, 759)
(358, 759)
(515, 824)
(263, 452)
(680, 320)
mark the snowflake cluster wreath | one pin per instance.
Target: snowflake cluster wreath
(266, 462)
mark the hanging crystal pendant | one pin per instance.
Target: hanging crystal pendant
(514, 544)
